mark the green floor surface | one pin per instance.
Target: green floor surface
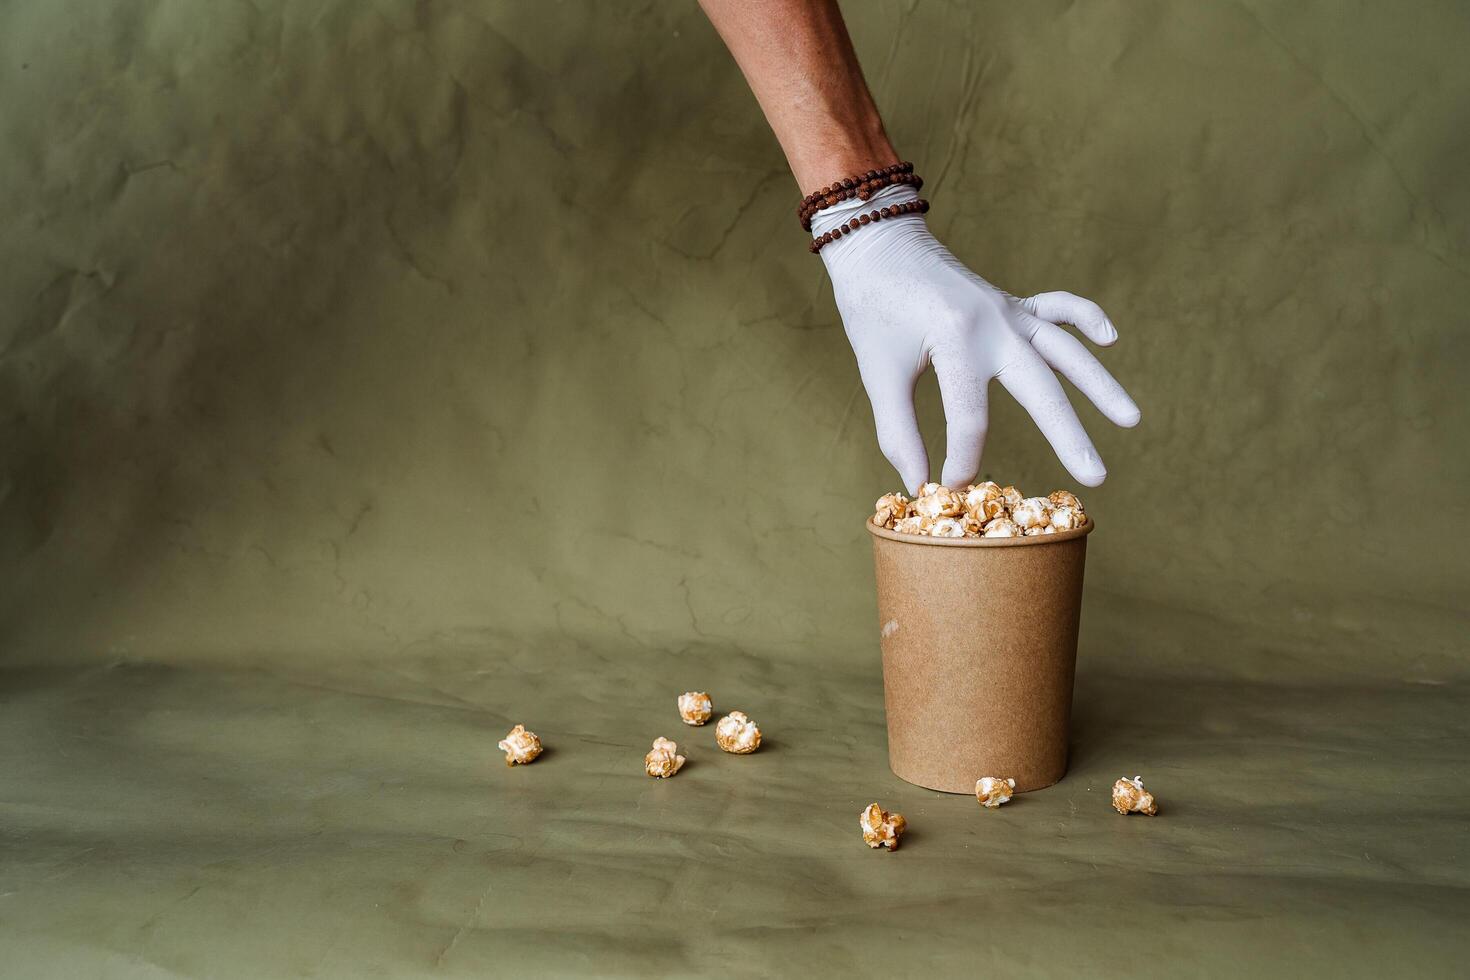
(163, 821)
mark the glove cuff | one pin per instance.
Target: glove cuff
(844, 211)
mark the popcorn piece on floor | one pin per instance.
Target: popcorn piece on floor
(663, 760)
(937, 501)
(737, 734)
(947, 527)
(1032, 512)
(881, 828)
(890, 509)
(1129, 796)
(695, 707)
(992, 791)
(1002, 527)
(520, 746)
(1066, 518)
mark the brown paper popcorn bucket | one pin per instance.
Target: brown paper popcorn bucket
(979, 640)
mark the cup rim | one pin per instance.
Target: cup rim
(924, 539)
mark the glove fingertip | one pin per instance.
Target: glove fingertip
(1091, 478)
(913, 476)
(957, 476)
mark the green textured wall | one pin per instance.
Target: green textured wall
(350, 329)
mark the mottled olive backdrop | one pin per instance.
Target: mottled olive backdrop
(363, 330)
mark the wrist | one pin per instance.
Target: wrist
(839, 155)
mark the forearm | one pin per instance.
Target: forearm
(800, 64)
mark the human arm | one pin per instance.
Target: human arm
(906, 302)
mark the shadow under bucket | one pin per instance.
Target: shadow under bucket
(979, 640)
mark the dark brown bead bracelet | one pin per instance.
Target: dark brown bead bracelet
(920, 206)
(861, 186)
(850, 183)
(862, 192)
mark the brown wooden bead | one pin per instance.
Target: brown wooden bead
(861, 186)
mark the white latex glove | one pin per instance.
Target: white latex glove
(906, 302)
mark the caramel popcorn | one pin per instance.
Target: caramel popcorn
(1032, 512)
(912, 525)
(983, 500)
(1129, 796)
(947, 527)
(663, 760)
(890, 509)
(976, 492)
(984, 509)
(936, 501)
(1065, 518)
(1002, 527)
(881, 828)
(737, 734)
(981, 510)
(992, 791)
(1064, 498)
(520, 746)
(695, 707)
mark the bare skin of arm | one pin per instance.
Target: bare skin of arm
(798, 59)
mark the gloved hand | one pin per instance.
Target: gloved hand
(906, 302)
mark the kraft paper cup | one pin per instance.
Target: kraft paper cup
(979, 640)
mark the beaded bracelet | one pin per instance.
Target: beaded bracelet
(862, 186)
(920, 206)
